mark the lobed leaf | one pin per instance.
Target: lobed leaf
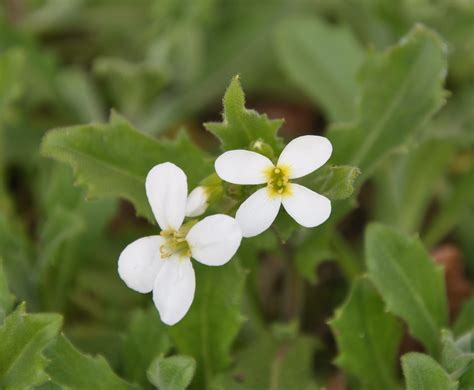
(241, 127)
(113, 159)
(23, 337)
(411, 285)
(73, 370)
(368, 337)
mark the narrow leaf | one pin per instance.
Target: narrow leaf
(6, 298)
(401, 89)
(309, 50)
(411, 285)
(368, 338)
(146, 338)
(209, 329)
(271, 364)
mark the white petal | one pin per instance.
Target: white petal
(167, 191)
(305, 154)
(307, 207)
(242, 167)
(174, 289)
(197, 202)
(215, 239)
(258, 212)
(140, 262)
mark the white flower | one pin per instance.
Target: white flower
(162, 263)
(300, 157)
(197, 202)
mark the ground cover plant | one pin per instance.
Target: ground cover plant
(217, 194)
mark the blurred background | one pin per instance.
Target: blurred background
(164, 65)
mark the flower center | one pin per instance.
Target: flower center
(278, 183)
(175, 242)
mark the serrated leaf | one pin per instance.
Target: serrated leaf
(73, 370)
(22, 339)
(113, 159)
(334, 182)
(6, 298)
(268, 363)
(410, 283)
(309, 50)
(146, 338)
(211, 325)
(241, 127)
(368, 338)
(174, 372)
(465, 320)
(401, 89)
(422, 372)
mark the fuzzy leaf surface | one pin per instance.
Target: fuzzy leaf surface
(410, 283)
(240, 126)
(368, 337)
(23, 338)
(113, 159)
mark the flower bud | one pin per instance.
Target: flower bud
(197, 202)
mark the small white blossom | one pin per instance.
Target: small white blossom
(162, 263)
(300, 157)
(197, 203)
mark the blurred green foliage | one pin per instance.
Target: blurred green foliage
(391, 83)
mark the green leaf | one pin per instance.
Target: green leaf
(174, 372)
(466, 382)
(309, 50)
(401, 89)
(71, 369)
(146, 338)
(456, 354)
(22, 340)
(334, 182)
(453, 207)
(268, 363)
(410, 283)
(368, 338)
(207, 332)
(404, 195)
(112, 160)
(311, 252)
(465, 321)
(423, 373)
(242, 127)
(6, 298)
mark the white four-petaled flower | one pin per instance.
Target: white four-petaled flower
(162, 263)
(300, 157)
